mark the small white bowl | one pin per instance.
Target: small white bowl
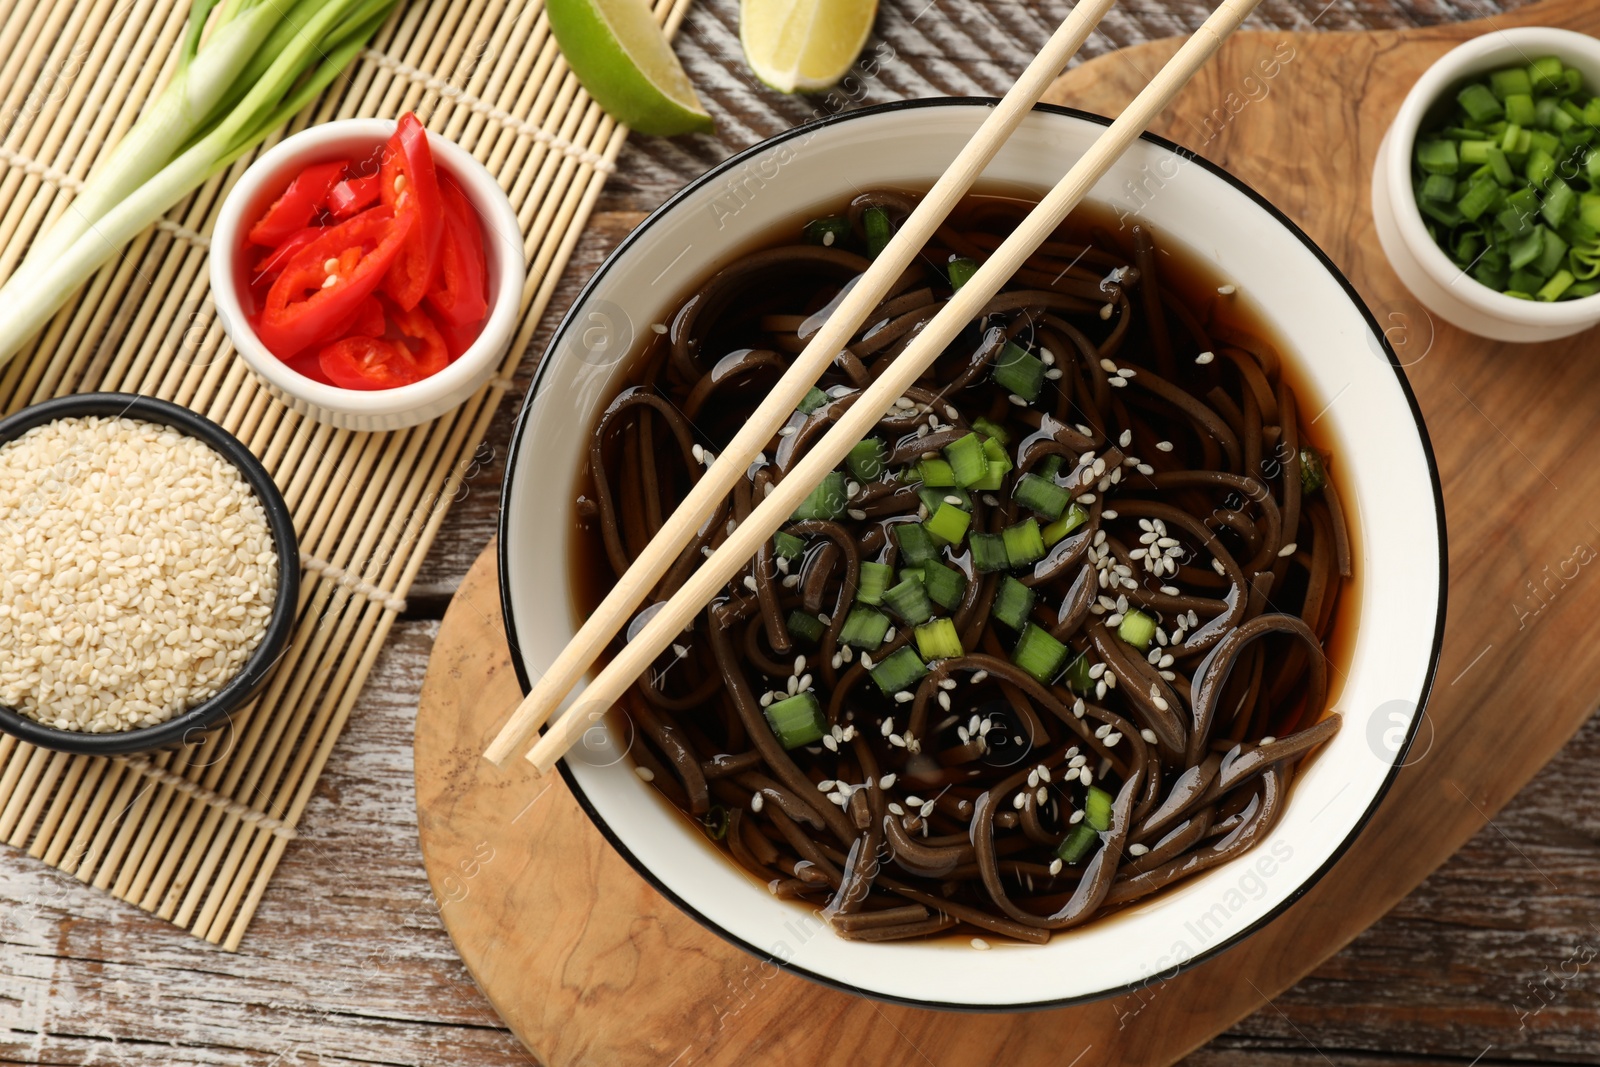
(1445, 289)
(379, 409)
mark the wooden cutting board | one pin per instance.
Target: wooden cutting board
(589, 965)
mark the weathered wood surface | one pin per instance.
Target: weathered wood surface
(348, 964)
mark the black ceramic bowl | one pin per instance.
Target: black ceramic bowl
(190, 725)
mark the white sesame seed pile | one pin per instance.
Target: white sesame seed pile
(137, 573)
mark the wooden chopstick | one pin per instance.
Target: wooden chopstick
(706, 582)
(616, 610)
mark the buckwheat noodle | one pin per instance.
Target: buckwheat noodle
(950, 803)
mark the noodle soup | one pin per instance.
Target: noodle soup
(1055, 637)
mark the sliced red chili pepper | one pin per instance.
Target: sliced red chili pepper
(368, 363)
(409, 184)
(368, 321)
(431, 355)
(277, 259)
(313, 297)
(459, 293)
(299, 204)
(353, 195)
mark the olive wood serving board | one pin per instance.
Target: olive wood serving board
(590, 965)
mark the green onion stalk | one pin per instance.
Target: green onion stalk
(240, 75)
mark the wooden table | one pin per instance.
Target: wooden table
(1493, 959)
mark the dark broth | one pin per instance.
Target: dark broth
(700, 716)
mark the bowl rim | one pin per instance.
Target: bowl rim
(497, 216)
(274, 641)
(639, 232)
(1463, 61)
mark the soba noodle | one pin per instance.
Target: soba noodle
(1053, 643)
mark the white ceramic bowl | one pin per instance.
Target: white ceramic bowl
(379, 409)
(1445, 289)
(1348, 374)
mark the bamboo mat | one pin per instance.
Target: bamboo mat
(194, 835)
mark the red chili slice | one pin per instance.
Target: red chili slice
(304, 307)
(409, 184)
(431, 355)
(459, 293)
(277, 259)
(368, 320)
(299, 204)
(353, 195)
(369, 363)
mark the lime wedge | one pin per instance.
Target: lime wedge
(624, 61)
(803, 45)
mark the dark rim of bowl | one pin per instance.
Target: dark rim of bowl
(732, 163)
(243, 685)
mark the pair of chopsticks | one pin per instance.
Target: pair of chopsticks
(673, 617)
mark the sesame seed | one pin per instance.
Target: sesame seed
(1118, 382)
(1138, 850)
(904, 697)
(1204, 358)
(1227, 290)
(1269, 739)
(1149, 735)
(766, 700)
(1163, 446)
(980, 944)
(856, 514)
(1075, 818)
(1288, 549)
(829, 743)
(1105, 311)
(645, 773)
(888, 726)
(658, 328)
(1017, 400)
(756, 802)
(978, 676)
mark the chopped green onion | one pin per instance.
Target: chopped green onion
(1559, 283)
(1076, 845)
(864, 629)
(938, 640)
(946, 585)
(716, 821)
(788, 545)
(875, 221)
(1514, 80)
(1013, 603)
(961, 271)
(1313, 473)
(796, 720)
(1074, 518)
(873, 581)
(915, 544)
(1547, 74)
(988, 552)
(1438, 157)
(1041, 495)
(1138, 629)
(1024, 543)
(867, 460)
(988, 428)
(830, 232)
(901, 670)
(1480, 102)
(948, 525)
(1097, 809)
(826, 501)
(1438, 187)
(1077, 674)
(999, 466)
(968, 462)
(1039, 654)
(933, 499)
(910, 601)
(806, 627)
(1519, 109)
(935, 472)
(1021, 373)
(814, 399)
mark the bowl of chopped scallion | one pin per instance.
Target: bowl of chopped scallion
(1486, 191)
